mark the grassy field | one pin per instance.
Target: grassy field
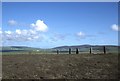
(60, 66)
(13, 50)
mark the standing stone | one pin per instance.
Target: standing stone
(77, 52)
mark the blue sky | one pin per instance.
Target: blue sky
(51, 24)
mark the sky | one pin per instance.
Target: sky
(52, 24)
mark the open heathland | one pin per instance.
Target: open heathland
(60, 66)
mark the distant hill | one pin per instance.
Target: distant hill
(86, 48)
(82, 46)
(17, 48)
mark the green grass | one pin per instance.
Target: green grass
(29, 50)
(50, 52)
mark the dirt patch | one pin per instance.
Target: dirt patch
(51, 66)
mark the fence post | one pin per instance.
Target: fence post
(104, 49)
(90, 50)
(69, 50)
(57, 51)
(77, 51)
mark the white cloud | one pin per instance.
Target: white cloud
(18, 31)
(29, 38)
(31, 34)
(32, 25)
(81, 34)
(32, 31)
(22, 35)
(22, 32)
(36, 37)
(12, 22)
(40, 26)
(8, 32)
(115, 27)
(25, 32)
(0, 30)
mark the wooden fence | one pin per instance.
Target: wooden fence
(77, 51)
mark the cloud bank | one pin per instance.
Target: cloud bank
(33, 33)
(36, 32)
(22, 35)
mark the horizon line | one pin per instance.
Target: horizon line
(60, 45)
